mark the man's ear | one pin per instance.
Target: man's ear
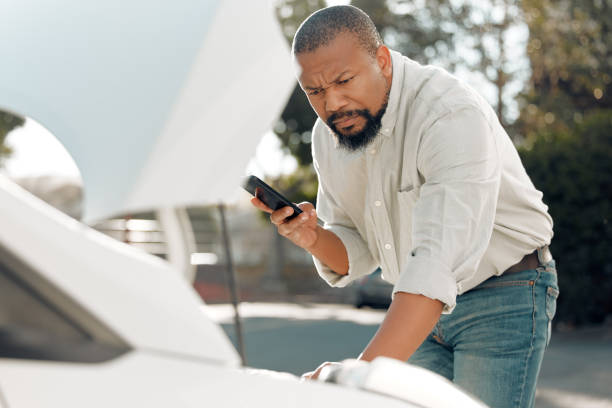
(383, 59)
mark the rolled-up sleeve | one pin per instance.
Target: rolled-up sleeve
(452, 219)
(360, 259)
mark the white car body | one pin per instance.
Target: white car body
(164, 349)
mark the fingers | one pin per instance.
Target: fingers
(259, 204)
(307, 376)
(313, 375)
(290, 227)
(301, 230)
(306, 206)
(278, 217)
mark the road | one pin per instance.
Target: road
(576, 372)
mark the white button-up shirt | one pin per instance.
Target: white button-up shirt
(439, 200)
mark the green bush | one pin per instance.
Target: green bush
(574, 171)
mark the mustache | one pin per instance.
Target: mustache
(346, 114)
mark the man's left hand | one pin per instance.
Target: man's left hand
(313, 375)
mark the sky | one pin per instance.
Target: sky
(37, 152)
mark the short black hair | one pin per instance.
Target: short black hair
(324, 25)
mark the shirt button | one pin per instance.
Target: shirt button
(387, 246)
(459, 287)
(373, 151)
(377, 203)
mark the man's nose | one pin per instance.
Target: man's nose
(334, 100)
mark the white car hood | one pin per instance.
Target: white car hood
(139, 296)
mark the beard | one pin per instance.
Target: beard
(358, 140)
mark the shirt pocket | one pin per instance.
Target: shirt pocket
(407, 198)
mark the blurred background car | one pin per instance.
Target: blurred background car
(373, 291)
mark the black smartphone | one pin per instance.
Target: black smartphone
(269, 196)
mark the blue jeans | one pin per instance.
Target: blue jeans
(493, 343)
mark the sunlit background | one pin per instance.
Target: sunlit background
(546, 68)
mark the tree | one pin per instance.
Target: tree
(566, 117)
(571, 63)
(493, 30)
(8, 122)
(422, 31)
(481, 38)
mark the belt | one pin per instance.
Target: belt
(531, 261)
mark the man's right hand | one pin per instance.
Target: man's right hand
(304, 232)
(301, 230)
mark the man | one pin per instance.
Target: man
(417, 175)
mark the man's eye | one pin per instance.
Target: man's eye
(344, 81)
(314, 92)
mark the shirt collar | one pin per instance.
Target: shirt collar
(390, 117)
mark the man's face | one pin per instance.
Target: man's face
(347, 87)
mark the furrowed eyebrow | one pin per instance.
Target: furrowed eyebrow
(316, 88)
(340, 76)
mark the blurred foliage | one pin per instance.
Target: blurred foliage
(574, 171)
(421, 31)
(571, 60)
(566, 118)
(301, 185)
(297, 119)
(469, 34)
(8, 122)
(490, 29)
